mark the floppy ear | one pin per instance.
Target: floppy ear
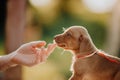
(81, 38)
(83, 43)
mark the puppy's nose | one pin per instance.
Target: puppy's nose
(57, 38)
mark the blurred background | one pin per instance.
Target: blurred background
(23, 21)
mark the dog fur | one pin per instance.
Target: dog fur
(89, 62)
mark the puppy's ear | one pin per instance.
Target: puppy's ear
(81, 38)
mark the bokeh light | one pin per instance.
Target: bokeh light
(41, 3)
(99, 6)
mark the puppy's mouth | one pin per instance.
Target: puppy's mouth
(60, 44)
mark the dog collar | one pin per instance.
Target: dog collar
(86, 55)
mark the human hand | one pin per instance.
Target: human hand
(32, 53)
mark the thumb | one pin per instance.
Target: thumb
(38, 44)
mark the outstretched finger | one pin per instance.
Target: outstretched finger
(50, 48)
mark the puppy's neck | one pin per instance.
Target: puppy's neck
(85, 55)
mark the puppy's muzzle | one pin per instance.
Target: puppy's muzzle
(58, 38)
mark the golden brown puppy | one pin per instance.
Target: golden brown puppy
(89, 62)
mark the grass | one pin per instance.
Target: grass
(44, 71)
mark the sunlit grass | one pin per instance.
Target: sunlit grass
(45, 71)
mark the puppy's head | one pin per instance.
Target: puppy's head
(71, 38)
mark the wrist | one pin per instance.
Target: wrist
(11, 58)
(6, 61)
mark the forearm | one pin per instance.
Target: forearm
(5, 62)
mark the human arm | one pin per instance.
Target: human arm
(28, 54)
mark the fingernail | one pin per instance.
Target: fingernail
(41, 44)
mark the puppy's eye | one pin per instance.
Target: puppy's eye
(68, 34)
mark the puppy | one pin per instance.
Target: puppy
(89, 62)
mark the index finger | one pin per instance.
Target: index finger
(50, 48)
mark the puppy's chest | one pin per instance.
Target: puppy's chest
(83, 72)
(81, 66)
